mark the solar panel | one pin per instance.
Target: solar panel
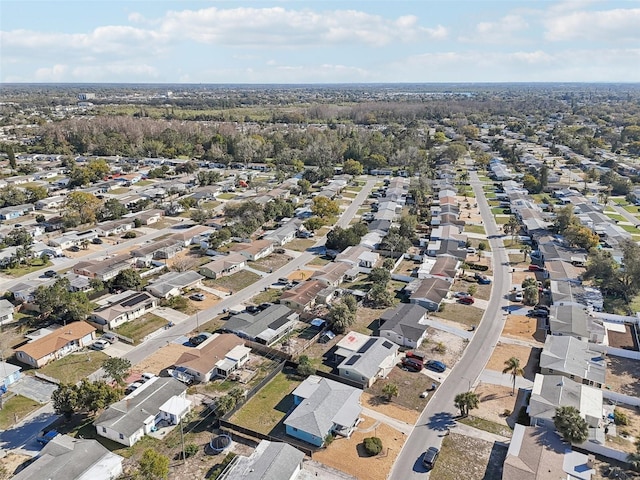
(367, 345)
(353, 360)
(387, 344)
(134, 300)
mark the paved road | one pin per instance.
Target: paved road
(629, 217)
(439, 414)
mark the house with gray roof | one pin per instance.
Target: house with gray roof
(266, 327)
(364, 359)
(552, 391)
(576, 321)
(429, 292)
(269, 461)
(69, 458)
(323, 407)
(404, 325)
(172, 284)
(568, 356)
(284, 234)
(157, 401)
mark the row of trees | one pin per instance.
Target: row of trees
(620, 280)
(567, 224)
(11, 195)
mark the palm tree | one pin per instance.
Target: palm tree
(526, 250)
(466, 401)
(84, 243)
(513, 367)
(568, 422)
(512, 227)
(390, 390)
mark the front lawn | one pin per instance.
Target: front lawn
(475, 229)
(235, 282)
(301, 244)
(20, 270)
(141, 327)
(226, 196)
(270, 405)
(456, 312)
(75, 367)
(16, 408)
(271, 295)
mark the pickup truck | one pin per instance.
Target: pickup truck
(45, 437)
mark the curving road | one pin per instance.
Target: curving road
(439, 414)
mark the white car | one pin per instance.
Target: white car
(100, 344)
(518, 297)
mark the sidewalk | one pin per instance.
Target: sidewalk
(392, 422)
(498, 378)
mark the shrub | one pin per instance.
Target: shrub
(130, 235)
(619, 417)
(373, 445)
(328, 440)
(480, 268)
(191, 449)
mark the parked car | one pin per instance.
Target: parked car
(100, 344)
(97, 241)
(279, 250)
(430, 456)
(471, 250)
(146, 376)
(535, 268)
(265, 305)
(73, 248)
(461, 294)
(538, 312)
(466, 300)
(483, 280)
(411, 365)
(45, 437)
(252, 309)
(109, 337)
(50, 273)
(517, 297)
(132, 387)
(197, 296)
(424, 394)
(198, 339)
(436, 366)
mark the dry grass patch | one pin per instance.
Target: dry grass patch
(495, 402)
(528, 357)
(462, 314)
(523, 327)
(164, 358)
(469, 458)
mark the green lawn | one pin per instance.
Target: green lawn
(269, 406)
(36, 264)
(486, 425)
(141, 327)
(271, 295)
(630, 228)
(234, 282)
(74, 367)
(227, 196)
(502, 219)
(490, 195)
(632, 209)
(615, 216)
(119, 191)
(301, 244)
(499, 211)
(144, 183)
(209, 205)
(17, 407)
(465, 314)
(474, 229)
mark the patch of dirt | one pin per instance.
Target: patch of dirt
(520, 274)
(209, 300)
(525, 328)
(622, 375)
(12, 461)
(528, 357)
(468, 458)
(494, 400)
(389, 409)
(347, 454)
(453, 346)
(163, 358)
(271, 263)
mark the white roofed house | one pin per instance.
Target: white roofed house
(172, 284)
(103, 270)
(364, 359)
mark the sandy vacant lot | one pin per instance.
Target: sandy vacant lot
(494, 400)
(524, 328)
(13, 461)
(348, 455)
(389, 409)
(468, 458)
(622, 375)
(528, 358)
(163, 358)
(454, 346)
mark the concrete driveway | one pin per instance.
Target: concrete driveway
(33, 388)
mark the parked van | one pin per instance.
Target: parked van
(110, 337)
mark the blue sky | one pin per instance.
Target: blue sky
(324, 41)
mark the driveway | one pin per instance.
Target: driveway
(170, 315)
(33, 388)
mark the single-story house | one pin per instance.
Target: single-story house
(9, 213)
(158, 400)
(404, 325)
(57, 344)
(323, 407)
(219, 356)
(51, 202)
(193, 235)
(9, 374)
(123, 307)
(429, 292)
(114, 227)
(568, 356)
(536, 453)
(364, 359)
(332, 274)
(74, 238)
(576, 321)
(174, 283)
(69, 458)
(163, 249)
(6, 311)
(103, 270)
(303, 296)
(266, 327)
(284, 234)
(269, 460)
(351, 255)
(223, 265)
(255, 250)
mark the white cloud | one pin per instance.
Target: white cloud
(606, 25)
(506, 29)
(57, 73)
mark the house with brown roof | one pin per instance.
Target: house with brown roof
(332, 274)
(56, 344)
(224, 265)
(219, 356)
(163, 249)
(302, 296)
(193, 235)
(254, 250)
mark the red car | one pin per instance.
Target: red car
(466, 300)
(535, 268)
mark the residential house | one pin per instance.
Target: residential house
(148, 217)
(223, 265)
(269, 460)
(562, 271)
(219, 356)
(303, 296)
(266, 327)
(7, 255)
(358, 256)
(56, 344)
(51, 203)
(323, 407)
(164, 249)
(40, 248)
(73, 239)
(9, 373)
(568, 356)
(103, 270)
(9, 213)
(284, 234)
(536, 453)
(23, 292)
(443, 266)
(255, 250)
(332, 274)
(123, 307)
(405, 325)
(429, 292)
(575, 320)
(115, 227)
(70, 458)
(6, 311)
(193, 235)
(160, 400)
(172, 284)
(364, 359)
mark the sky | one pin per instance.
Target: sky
(319, 42)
